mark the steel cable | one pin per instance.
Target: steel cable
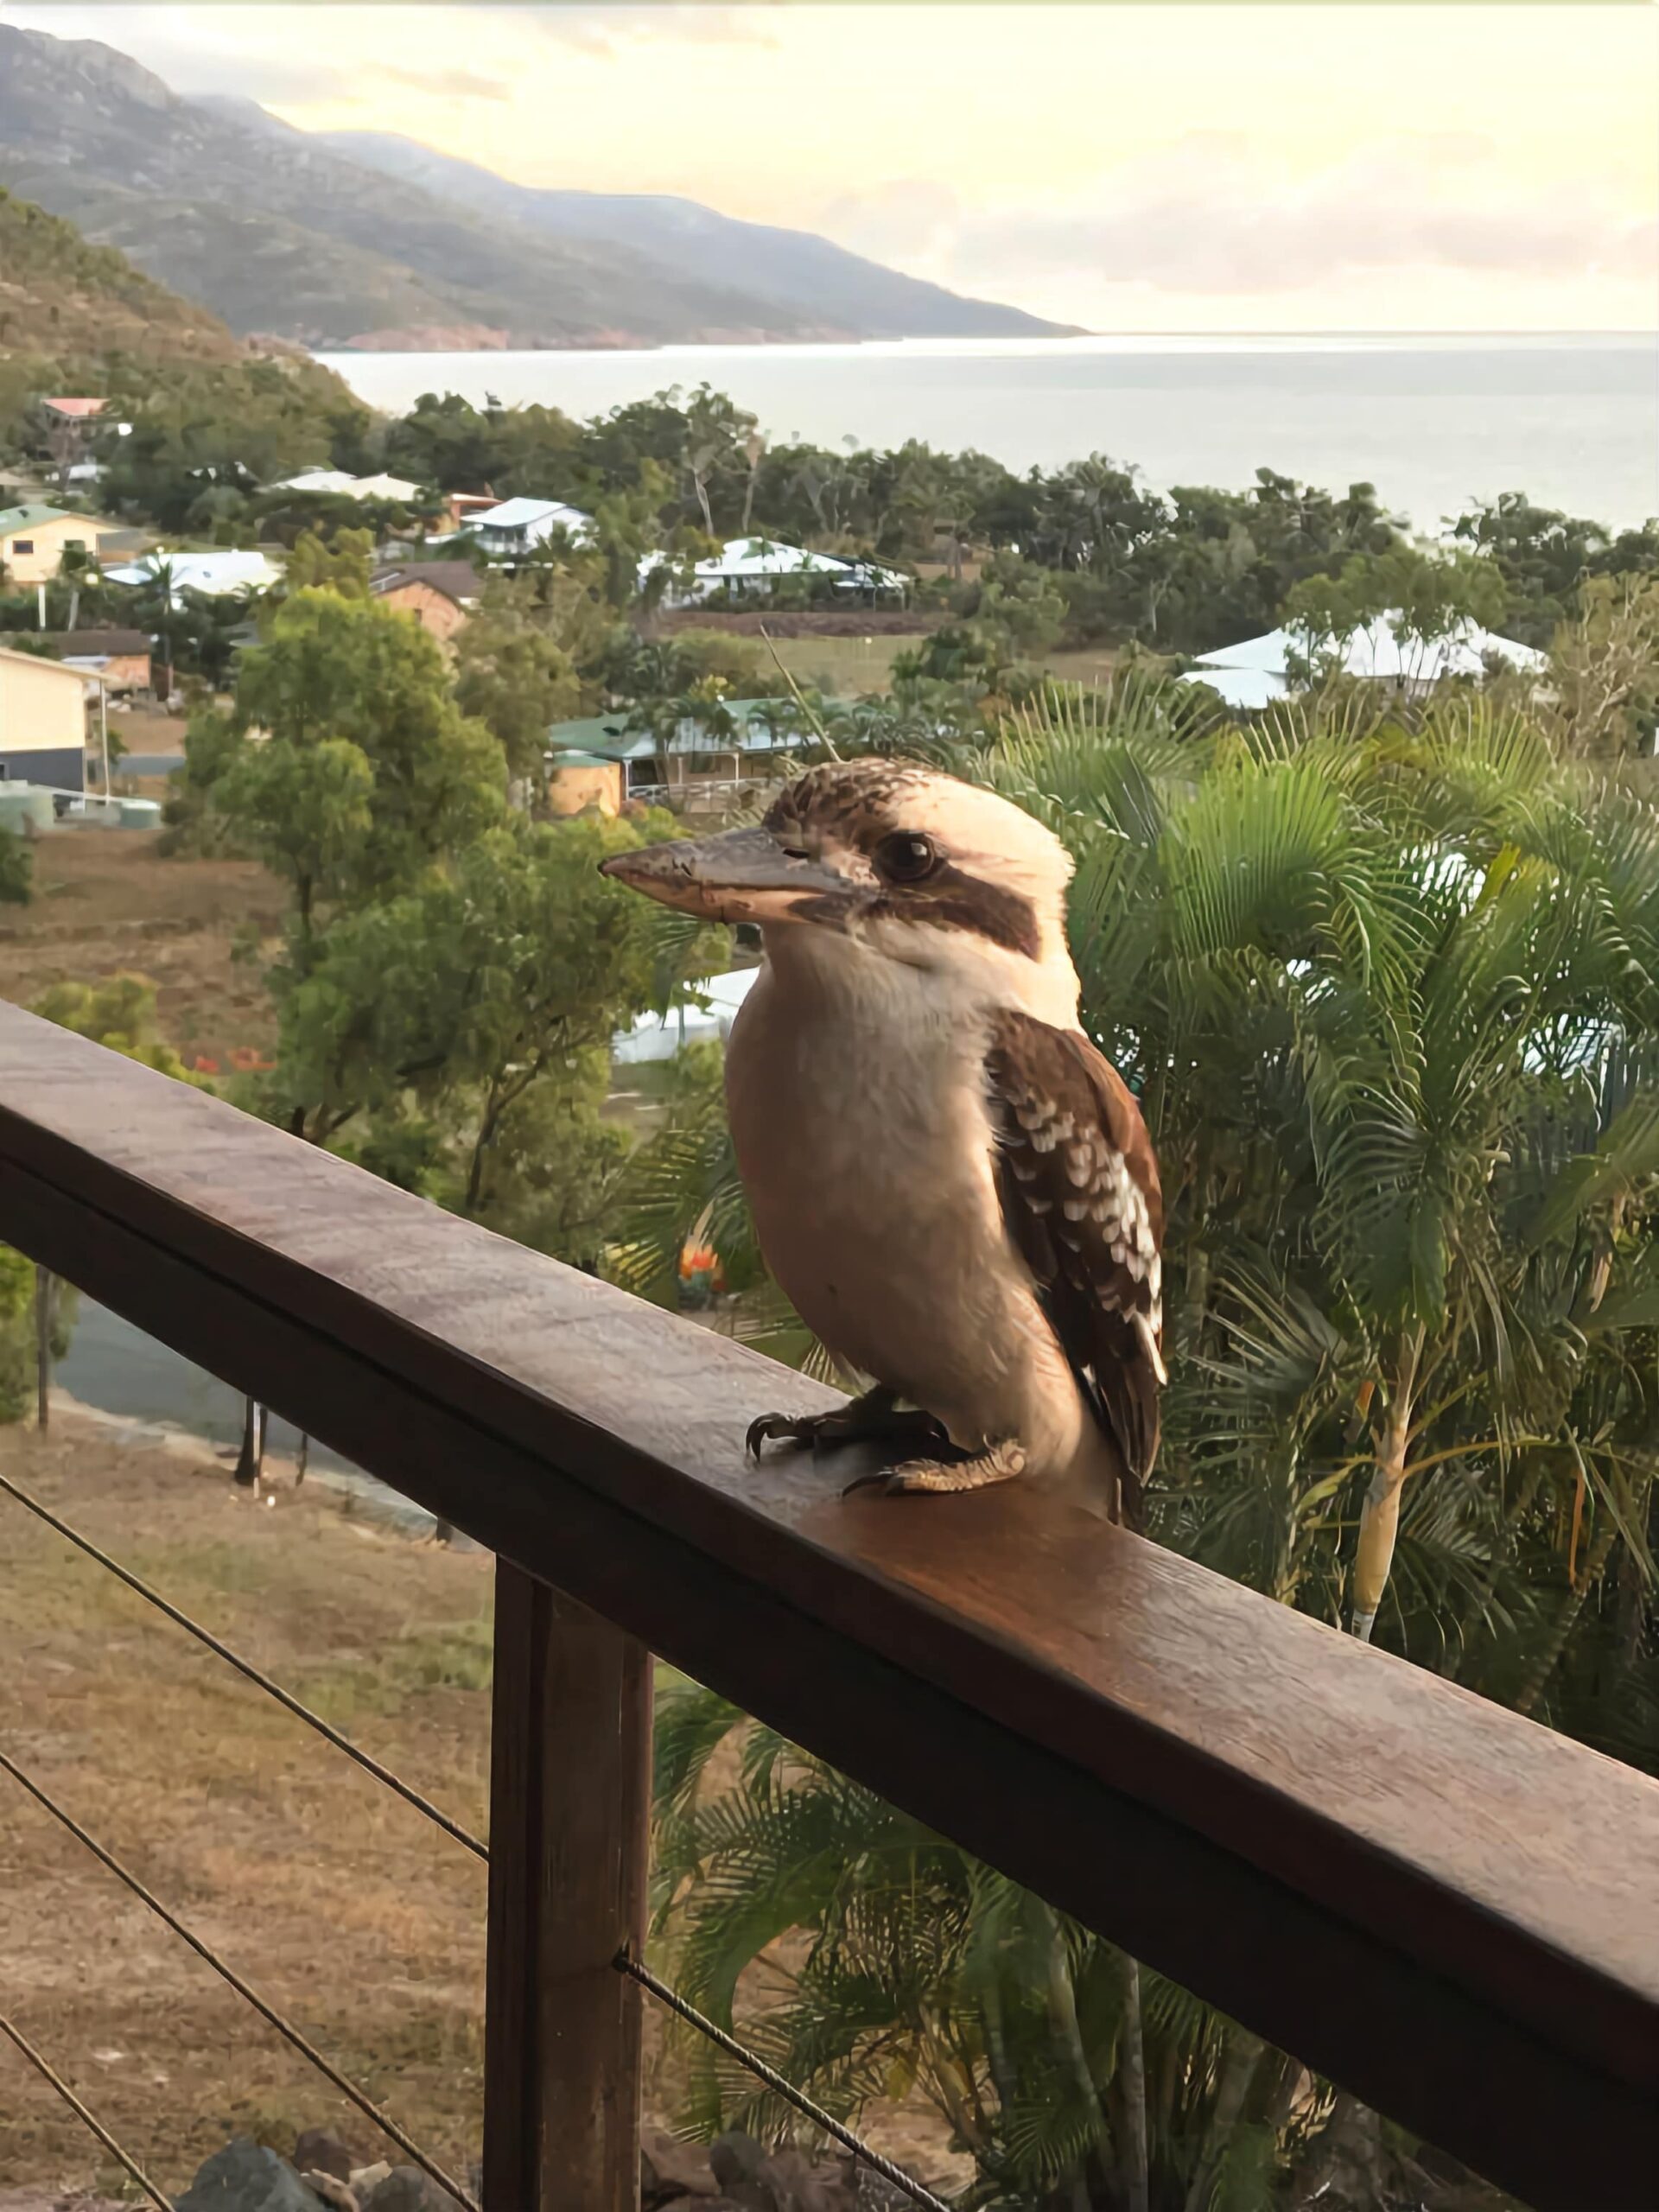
(625, 1962)
(39, 2063)
(267, 2012)
(245, 1667)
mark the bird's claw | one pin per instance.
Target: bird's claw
(882, 1481)
(798, 1430)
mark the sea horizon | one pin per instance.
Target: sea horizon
(1436, 421)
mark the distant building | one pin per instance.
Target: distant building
(120, 658)
(71, 424)
(440, 595)
(688, 766)
(752, 568)
(213, 574)
(1253, 673)
(340, 483)
(43, 722)
(34, 538)
(517, 527)
(462, 507)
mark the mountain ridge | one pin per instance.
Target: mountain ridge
(285, 233)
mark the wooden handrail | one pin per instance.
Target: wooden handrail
(1449, 1911)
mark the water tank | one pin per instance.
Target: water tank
(25, 809)
(141, 814)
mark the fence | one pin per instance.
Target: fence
(1451, 1912)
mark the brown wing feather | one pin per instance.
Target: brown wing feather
(1081, 1198)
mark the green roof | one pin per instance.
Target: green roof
(572, 759)
(20, 518)
(607, 738)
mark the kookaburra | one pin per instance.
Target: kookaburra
(953, 1187)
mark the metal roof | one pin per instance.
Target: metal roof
(32, 512)
(607, 737)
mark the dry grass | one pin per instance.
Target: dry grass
(343, 1905)
(106, 903)
(356, 1917)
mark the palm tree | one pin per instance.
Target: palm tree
(1388, 991)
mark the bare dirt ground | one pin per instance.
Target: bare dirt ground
(342, 1905)
(106, 903)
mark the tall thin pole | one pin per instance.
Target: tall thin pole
(103, 731)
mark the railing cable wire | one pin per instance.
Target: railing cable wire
(267, 2012)
(245, 1667)
(625, 1962)
(9, 2028)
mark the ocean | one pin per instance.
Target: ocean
(1436, 423)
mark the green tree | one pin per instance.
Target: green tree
(361, 694)
(118, 1012)
(515, 674)
(1603, 687)
(343, 562)
(1421, 597)
(459, 998)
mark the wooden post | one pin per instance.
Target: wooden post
(44, 1302)
(569, 1835)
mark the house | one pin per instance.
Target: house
(440, 595)
(314, 479)
(752, 568)
(214, 574)
(340, 483)
(72, 425)
(577, 780)
(689, 766)
(43, 722)
(660, 1036)
(34, 538)
(515, 526)
(462, 507)
(120, 658)
(1254, 672)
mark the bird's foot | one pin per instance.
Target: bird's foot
(998, 1463)
(876, 1418)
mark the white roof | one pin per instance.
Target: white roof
(383, 487)
(349, 486)
(315, 480)
(659, 1036)
(1241, 687)
(1375, 652)
(212, 574)
(764, 556)
(538, 516)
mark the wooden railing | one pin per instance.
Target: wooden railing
(1451, 1912)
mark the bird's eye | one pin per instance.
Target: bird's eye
(906, 857)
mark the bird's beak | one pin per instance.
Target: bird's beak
(739, 875)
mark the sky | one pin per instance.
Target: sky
(1240, 168)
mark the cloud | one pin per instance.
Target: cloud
(606, 31)
(448, 83)
(912, 217)
(1200, 217)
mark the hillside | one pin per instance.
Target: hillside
(285, 234)
(63, 298)
(805, 272)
